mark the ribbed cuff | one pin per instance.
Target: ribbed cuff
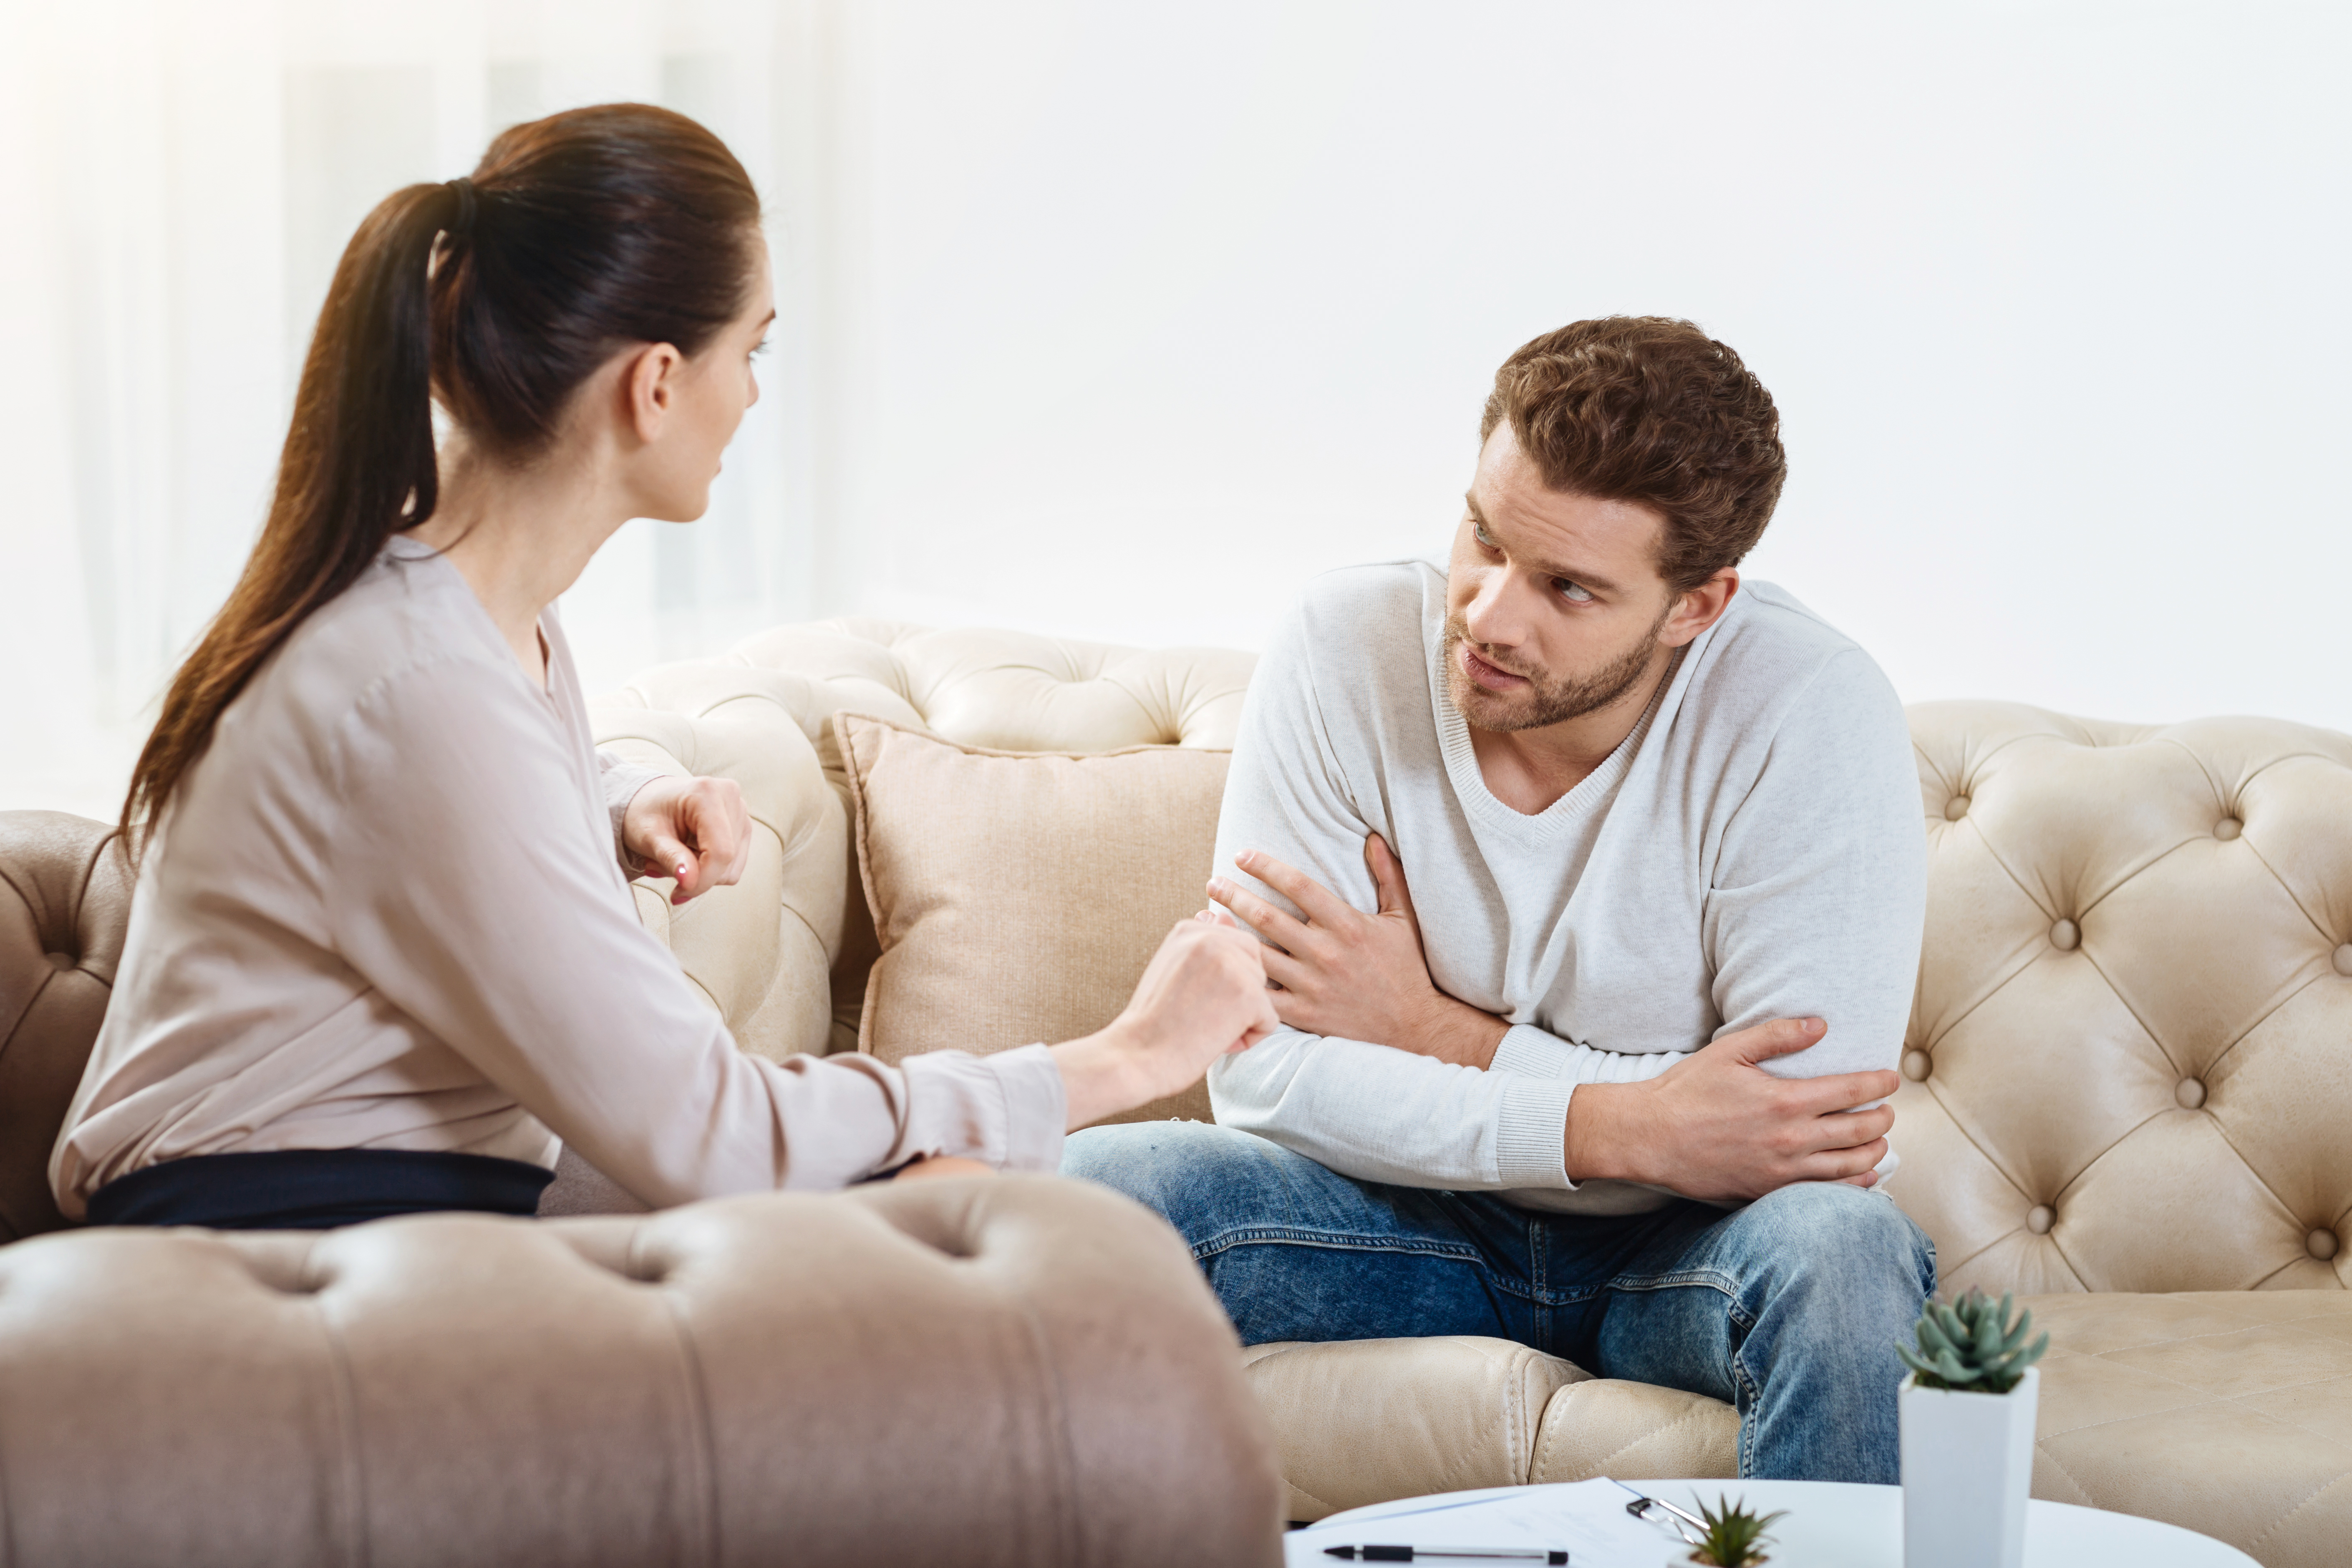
(1036, 1108)
(1533, 1053)
(1531, 1134)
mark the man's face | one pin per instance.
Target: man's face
(1554, 605)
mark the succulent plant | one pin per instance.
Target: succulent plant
(1735, 1535)
(1972, 1346)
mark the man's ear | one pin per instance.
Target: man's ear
(1699, 608)
(649, 388)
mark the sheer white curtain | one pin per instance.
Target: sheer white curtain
(178, 182)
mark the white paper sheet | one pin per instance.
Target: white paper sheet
(1585, 1519)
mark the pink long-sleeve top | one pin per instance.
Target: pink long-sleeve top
(386, 909)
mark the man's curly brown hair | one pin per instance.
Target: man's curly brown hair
(1649, 409)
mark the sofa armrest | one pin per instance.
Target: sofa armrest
(760, 950)
(1022, 1371)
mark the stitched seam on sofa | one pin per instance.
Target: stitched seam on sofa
(2277, 1524)
(1691, 1417)
(347, 1476)
(2265, 1018)
(701, 1488)
(2072, 1478)
(1069, 1544)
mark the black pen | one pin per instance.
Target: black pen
(1408, 1553)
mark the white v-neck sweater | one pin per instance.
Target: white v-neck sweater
(1754, 850)
(385, 910)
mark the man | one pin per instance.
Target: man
(1594, 880)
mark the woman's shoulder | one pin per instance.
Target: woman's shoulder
(406, 640)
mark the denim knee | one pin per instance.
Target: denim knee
(1838, 1233)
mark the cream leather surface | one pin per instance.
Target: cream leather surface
(2129, 1070)
(1015, 1372)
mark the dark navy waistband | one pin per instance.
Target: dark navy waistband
(316, 1189)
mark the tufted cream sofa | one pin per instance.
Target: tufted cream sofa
(2128, 1075)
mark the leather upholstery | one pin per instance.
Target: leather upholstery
(2129, 1070)
(1016, 1371)
(65, 904)
(1019, 1372)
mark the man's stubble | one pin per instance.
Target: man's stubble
(1549, 699)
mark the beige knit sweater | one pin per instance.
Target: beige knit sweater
(386, 911)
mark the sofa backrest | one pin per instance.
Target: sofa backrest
(2129, 1066)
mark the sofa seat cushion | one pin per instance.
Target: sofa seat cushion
(1364, 1421)
(2226, 1412)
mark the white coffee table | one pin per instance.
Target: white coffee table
(1834, 1524)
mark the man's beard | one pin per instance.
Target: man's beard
(1547, 699)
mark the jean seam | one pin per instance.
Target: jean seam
(1338, 1241)
(1744, 1387)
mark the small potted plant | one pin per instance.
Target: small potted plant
(1967, 1413)
(1732, 1537)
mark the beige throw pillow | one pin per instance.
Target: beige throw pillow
(1018, 895)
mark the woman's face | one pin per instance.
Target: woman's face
(711, 392)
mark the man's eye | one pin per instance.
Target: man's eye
(1478, 531)
(1574, 592)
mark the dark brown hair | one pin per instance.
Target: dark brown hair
(575, 237)
(1649, 409)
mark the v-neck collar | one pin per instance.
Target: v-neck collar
(1563, 815)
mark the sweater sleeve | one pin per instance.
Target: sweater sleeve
(473, 888)
(1364, 1110)
(1818, 896)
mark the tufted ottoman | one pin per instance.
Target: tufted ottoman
(2128, 1084)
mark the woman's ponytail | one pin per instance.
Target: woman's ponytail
(499, 293)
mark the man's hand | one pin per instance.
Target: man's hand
(1716, 1125)
(695, 830)
(1352, 975)
(1203, 995)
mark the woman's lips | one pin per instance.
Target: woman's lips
(1494, 677)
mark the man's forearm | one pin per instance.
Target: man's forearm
(1456, 1032)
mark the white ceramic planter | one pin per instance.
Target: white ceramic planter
(1968, 1468)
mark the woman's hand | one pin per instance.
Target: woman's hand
(695, 830)
(1203, 995)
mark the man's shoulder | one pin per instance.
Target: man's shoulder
(1353, 617)
(1777, 639)
(1778, 657)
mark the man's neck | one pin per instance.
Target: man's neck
(1529, 770)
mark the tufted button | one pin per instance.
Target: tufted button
(2190, 1092)
(1914, 1066)
(2040, 1221)
(2065, 936)
(2320, 1244)
(2344, 959)
(2229, 828)
(1956, 809)
(59, 960)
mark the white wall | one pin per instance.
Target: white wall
(1164, 308)
(1120, 319)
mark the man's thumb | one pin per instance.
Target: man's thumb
(669, 857)
(1780, 1037)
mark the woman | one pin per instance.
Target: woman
(383, 956)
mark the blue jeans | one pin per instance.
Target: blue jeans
(1788, 1309)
